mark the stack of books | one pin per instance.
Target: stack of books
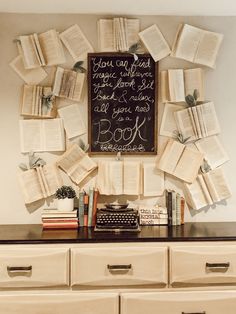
(56, 219)
(88, 207)
(153, 216)
(175, 205)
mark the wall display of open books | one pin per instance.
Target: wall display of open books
(122, 113)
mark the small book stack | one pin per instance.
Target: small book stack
(175, 205)
(153, 216)
(55, 219)
(88, 207)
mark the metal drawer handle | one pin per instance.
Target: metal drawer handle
(17, 269)
(204, 312)
(119, 267)
(220, 267)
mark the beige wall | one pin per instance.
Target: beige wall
(220, 87)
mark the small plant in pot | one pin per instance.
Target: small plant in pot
(65, 198)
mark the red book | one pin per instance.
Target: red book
(182, 206)
(86, 204)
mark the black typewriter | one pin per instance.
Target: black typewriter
(117, 218)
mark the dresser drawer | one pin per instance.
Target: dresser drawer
(119, 266)
(34, 267)
(205, 302)
(203, 265)
(59, 303)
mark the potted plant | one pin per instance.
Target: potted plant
(65, 198)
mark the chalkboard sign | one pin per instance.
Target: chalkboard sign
(122, 100)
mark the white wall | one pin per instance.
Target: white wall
(220, 87)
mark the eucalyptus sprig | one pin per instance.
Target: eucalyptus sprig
(78, 67)
(179, 137)
(191, 100)
(16, 41)
(34, 162)
(205, 167)
(134, 49)
(47, 101)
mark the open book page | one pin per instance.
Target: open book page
(176, 85)
(123, 34)
(58, 81)
(29, 52)
(76, 43)
(153, 180)
(196, 122)
(30, 76)
(53, 135)
(155, 42)
(52, 47)
(76, 163)
(132, 27)
(39, 50)
(73, 122)
(208, 48)
(28, 99)
(185, 123)
(188, 166)
(194, 79)
(78, 88)
(42, 181)
(31, 137)
(106, 35)
(187, 42)
(102, 182)
(170, 156)
(30, 185)
(165, 94)
(168, 122)
(217, 185)
(210, 119)
(213, 150)
(131, 178)
(194, 194)
(52, 178)
(206, 192)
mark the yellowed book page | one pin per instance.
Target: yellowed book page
(83, 168)
(122, 35)
(39, 50)
(176, 39)
(217, 184)
(30, 76)
(71, 84)
(53, 135)
(165, 94)
(106, 35)
(196, 122)
(52, 48)
(153, 180)
(27, 101)
(103, 180)
(206, 191)
(58, 81)
(64, 84)
(188, 166)
(176, 85)
(42, 181)
(194, 195)
(132, 30)
(208, 49)
(73, 121)
(34, 100)
(69, 159)
(188, 42)
(76, 43)
(184, 121)
(116, 177)
(210, 119)
(168, 123)
(132, 177)
(194, 79)
(31, 135)
(213, 150)
(30, 186)
(52, 178)
(79, 83)
(36, 104)
(29, 52)
(155, 42)
(201, 121)
(170, 156)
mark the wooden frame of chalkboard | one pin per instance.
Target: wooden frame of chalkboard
(122, 103)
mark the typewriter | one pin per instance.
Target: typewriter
(117, 218)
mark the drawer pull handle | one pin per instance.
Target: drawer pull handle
(119, 267)
(218, 267)
(204, 312)
(19, 269)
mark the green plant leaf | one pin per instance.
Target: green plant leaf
(196, 94)
(190, 100)
(23, 167)
(78, 67)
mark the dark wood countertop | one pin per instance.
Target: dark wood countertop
(33, 234)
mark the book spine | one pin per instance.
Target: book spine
(182, 207)
(81, 209)
(173, 208)
(178, 209)
(95, 202)
(169, 206)
(90, 207)
(86, 204)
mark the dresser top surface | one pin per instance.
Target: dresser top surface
(205, 231)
